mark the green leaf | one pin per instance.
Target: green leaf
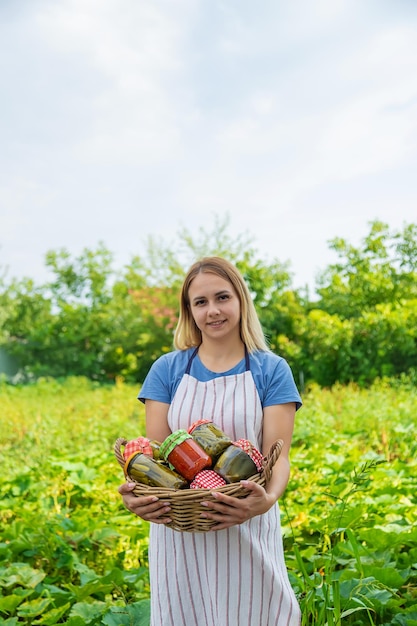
(137, 614)
(33, 607)
(89, 589)
(53, 616)
(75, 621)
(388, 576)
(88, 611)
(9, 603)
(22, 574)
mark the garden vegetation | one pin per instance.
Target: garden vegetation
(80, 346)
(94, 321)
(71, 554)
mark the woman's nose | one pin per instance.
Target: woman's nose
(213, 308)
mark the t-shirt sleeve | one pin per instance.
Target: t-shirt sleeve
(156, 384)
(280, 386)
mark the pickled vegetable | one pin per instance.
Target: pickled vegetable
(210, 437)
(144, 469)
(235, 464)
(156, 451)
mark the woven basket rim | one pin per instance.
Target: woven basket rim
(186, 503)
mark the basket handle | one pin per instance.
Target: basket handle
(121, 441)
(271, 458)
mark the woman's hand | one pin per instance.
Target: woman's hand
(149, 508)
(229, 511)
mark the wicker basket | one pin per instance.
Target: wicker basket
(186, 504)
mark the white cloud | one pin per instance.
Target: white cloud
(128, 118)
(137, 52)
(370, 130)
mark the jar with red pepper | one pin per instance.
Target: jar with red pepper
(184, 454)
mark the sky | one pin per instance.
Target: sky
(124, 119)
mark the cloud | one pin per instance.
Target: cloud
(125, 119)
(366, 123)
(134, 53)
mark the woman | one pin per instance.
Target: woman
(222, 369)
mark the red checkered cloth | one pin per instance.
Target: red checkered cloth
(207, 479)
(253, 452)
(197, 423)
(141, 444)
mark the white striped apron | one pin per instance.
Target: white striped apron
(231, 577)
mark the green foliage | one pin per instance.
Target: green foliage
(83, 280)
(350, 532)
(384, 341)
(71, 554)
(326, 341)
(90, 321)
(382, 270)
(363, 325)
(93, 321)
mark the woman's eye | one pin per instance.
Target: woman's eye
(224, 297)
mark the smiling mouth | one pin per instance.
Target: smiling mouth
(217, 323)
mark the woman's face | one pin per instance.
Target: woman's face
(215, 306)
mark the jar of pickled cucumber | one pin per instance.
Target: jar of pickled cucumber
(184, 454)
(235, 464)
(144, 469)
(210, 437)
(155, 447)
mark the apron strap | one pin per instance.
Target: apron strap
(192, 357)
(187, 371)
(247, 364)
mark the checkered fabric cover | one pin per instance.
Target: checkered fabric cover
(198, 423)
(253, 452)
(207, 479)
(140, 444)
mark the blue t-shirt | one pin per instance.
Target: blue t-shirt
(272, 375)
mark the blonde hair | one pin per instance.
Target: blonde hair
(187, 335)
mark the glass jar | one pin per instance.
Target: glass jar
(210, 437)
(144, 469)
(235, 464)
(255, 455)
(184, 454)
(156, 452)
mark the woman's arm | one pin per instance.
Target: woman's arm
(227, 510)
(157, 420)
(279, 424)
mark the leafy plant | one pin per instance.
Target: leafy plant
(93, 320)
(351, 511)
(71, 554)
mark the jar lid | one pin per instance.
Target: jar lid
(129, 459)
(173, 440)
(207, 479)
(253, 452)
(140, 444)
(198, 423)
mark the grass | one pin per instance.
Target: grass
(71, 554)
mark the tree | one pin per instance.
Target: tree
(382, 269)
(94, 321)
(384, 341)
(58, 329)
